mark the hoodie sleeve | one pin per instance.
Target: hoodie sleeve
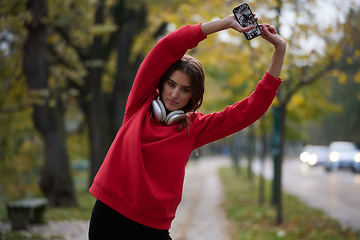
(165, 53)
(211, 127)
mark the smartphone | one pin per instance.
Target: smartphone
(245, 17)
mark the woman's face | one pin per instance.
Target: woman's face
(176, 91)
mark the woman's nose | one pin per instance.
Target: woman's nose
(175, 93)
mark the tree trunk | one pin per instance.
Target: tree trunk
(104, 114)
(56, 180)
(278, 164)
(95, 107)
(235, 151)
(278, 141)
(262, 167)
(126, 69)
(97, 119)
(250, 152)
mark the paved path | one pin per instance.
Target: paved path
(66, 230)
(199, 216)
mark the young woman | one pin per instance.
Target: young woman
(139, 185)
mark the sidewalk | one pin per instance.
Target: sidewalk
(200, 215)
(64, 230)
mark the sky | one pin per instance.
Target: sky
(327, 12)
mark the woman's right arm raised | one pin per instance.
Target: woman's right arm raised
(165, 53)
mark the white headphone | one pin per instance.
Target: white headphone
(172, 118)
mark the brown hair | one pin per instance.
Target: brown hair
(194, 69)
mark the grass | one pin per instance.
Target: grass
(83, 212)
(251, 220)
(85, 202)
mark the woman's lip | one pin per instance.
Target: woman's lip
(172, 102)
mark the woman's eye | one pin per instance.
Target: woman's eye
(186, 90)
(171, 84)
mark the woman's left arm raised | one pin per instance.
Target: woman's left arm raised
(222, 24)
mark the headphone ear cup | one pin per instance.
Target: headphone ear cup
(175, 117)
(159, 111)
(159, 114)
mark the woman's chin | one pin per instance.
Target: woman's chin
(171, 108)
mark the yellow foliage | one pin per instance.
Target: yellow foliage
(22, 154)
(276, 102)
(349, 60)
(110, 3)
(342, 78)
(357, 52)
(337, 53)
(107, 83)
(52, 39)
(234, 81)
(240, 77)
(296, 101)
(357, 77)
(335, 73)
(52, 82)
(103, 29)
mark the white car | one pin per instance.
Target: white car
(314, 154)
(343, 155)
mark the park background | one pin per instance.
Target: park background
(66, 67)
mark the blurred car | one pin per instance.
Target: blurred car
(343, 155)
(314, 154)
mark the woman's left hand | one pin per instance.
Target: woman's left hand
(270, 34)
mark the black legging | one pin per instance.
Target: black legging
(108, 224)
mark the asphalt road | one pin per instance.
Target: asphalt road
(337, 193)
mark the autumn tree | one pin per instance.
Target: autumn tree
(20, 145)
(48, 116)
(101, 92)
(76, 44)
(303, 71)
(344, 80)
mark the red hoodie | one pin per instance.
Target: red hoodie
(143, 172)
